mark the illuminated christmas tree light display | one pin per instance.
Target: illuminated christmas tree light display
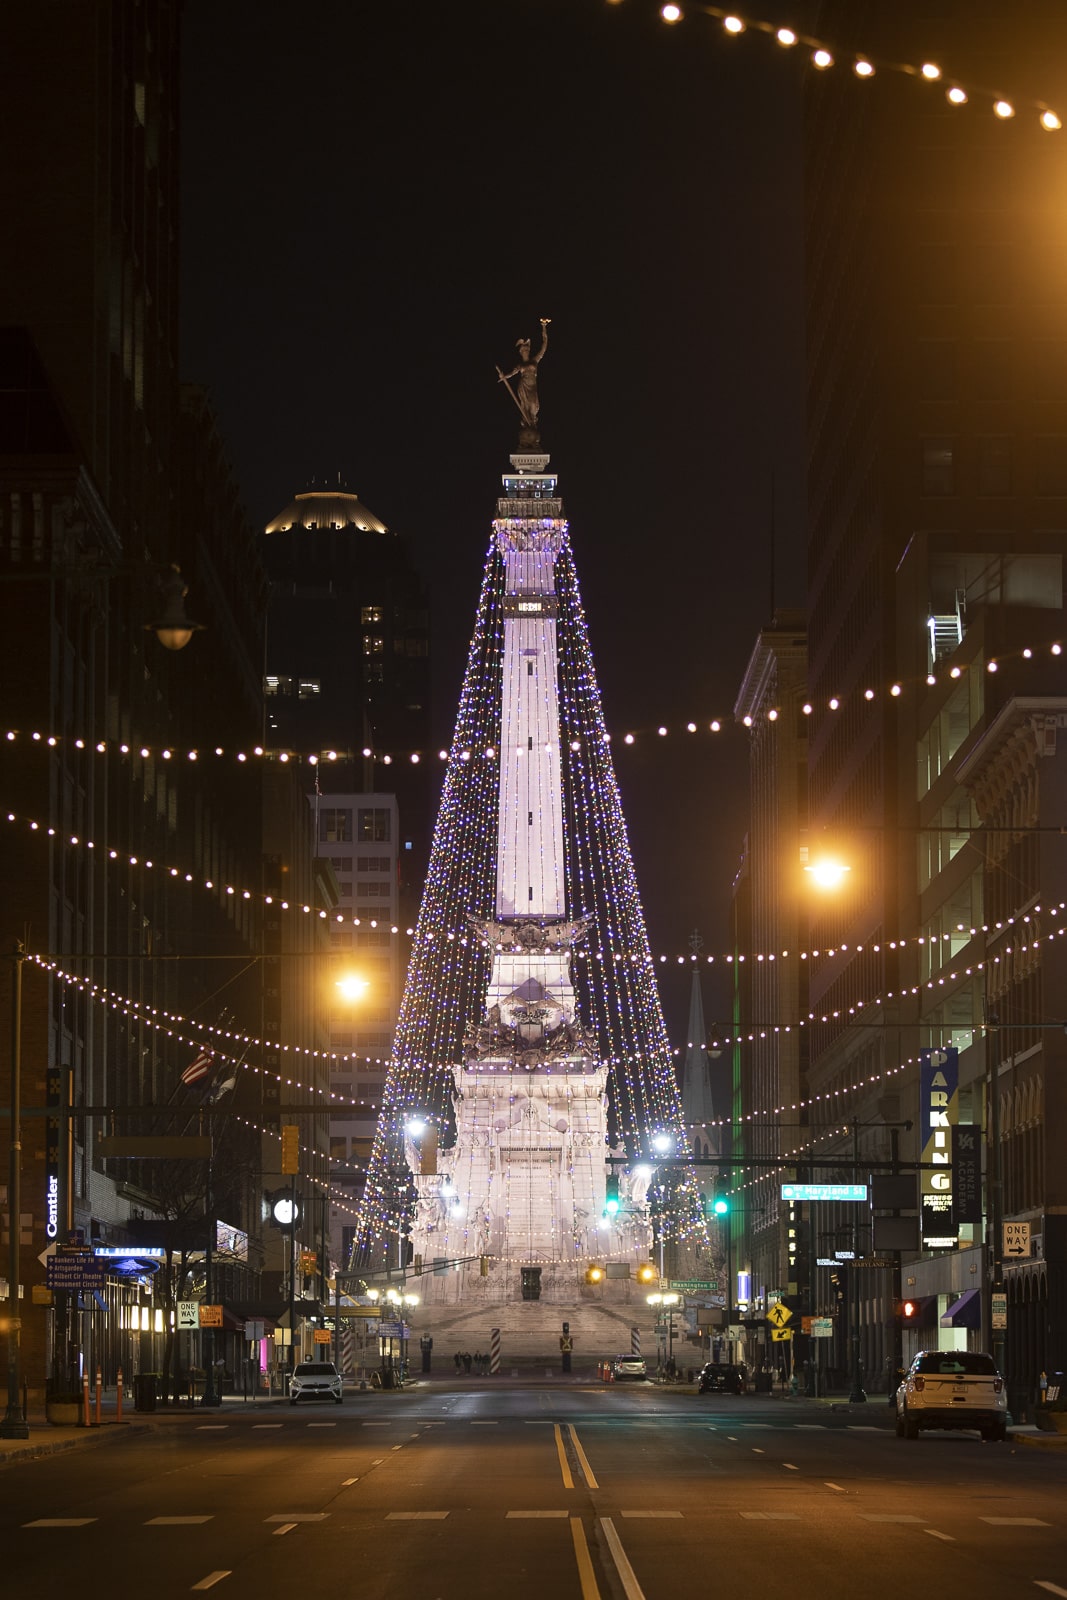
(530, 1044)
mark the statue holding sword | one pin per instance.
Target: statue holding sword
(526, 375)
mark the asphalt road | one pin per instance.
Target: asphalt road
(463, 1491)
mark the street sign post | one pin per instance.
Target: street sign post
(998, 1305)
(188, 1313)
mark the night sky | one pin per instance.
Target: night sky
(379, 199)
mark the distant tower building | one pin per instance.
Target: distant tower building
(348, 654)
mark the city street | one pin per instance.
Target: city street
(449, 1491)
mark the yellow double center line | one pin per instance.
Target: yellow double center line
(564, 1464)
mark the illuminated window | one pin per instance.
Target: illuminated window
(373, 644)
(308, 688)
(938, 467)
(335, 825)
(373, 824)
(371, 614)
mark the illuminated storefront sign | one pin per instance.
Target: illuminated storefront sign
(939, 1074)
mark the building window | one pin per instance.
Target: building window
(994, 464)
(936, 369)
(370, 614)
(372, 864)
(373, 644)
(373, 824)
(938, 466)
(1051, 464)
(308, 688)
(371, 889)
(335, 826)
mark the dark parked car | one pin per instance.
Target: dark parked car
(719, 1378)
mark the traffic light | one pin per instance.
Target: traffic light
(721, 1203)
(593, 1273)
(647, 1272)
(611, 1195)
(290, 1149)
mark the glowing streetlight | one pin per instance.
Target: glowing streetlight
(352, 986)
(828, 872)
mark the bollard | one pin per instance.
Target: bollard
(118, 1395)
(99, 1394)
(85, 1399)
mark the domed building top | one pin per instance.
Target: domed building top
(326, 508)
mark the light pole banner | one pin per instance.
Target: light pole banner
(939, 1082)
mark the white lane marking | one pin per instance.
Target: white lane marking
(415, 1516)
(298, 1516)
(535, 1514)
(286, 1527)
(1015, 1522)
(887, 1516)
(770, 1516)
(398, 1447)
(378, 1462)
(1053, 1588)
(732, 1437)
(650, 1513)
(211, 1580)
(756, 1451)
(789, 1467)
(59, 1522)
(836, 1486)
(935, 1533)
(346, 1483)
(268, 1425)
(631, 1588)
(176, 1522)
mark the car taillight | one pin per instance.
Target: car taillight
(998, 1384)
(918, 1383)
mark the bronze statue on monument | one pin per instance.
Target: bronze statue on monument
(527, 398)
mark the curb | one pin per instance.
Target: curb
(106, 1433)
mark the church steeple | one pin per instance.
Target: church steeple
(698, 1099)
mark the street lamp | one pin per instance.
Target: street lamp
(667, 1302)
(173, 628)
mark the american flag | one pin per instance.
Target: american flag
(198, 1068)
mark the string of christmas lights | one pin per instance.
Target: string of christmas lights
(462, 932)
(475, 750)
(864, 67)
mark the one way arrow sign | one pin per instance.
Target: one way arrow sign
(1016, 1240)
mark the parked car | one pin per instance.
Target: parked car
(629, 1367)
(315, 1380)
(718, 1377)
(952, 1389)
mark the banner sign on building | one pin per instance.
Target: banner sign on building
(53, 1100)
(967, 1173)
(939, 1075)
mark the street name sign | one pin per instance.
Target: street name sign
(74, 1272)
(824, 1191)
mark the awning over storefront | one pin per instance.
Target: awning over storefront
(966, 1312)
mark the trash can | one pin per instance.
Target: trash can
(144, 1391)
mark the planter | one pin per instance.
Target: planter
(63, 1410)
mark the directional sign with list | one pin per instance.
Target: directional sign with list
(1016, 1241)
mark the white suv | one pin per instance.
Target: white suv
(315, 1380)
(952, 1389)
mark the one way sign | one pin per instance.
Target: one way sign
(1016, 1240)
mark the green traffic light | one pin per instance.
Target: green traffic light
(722, 1206)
